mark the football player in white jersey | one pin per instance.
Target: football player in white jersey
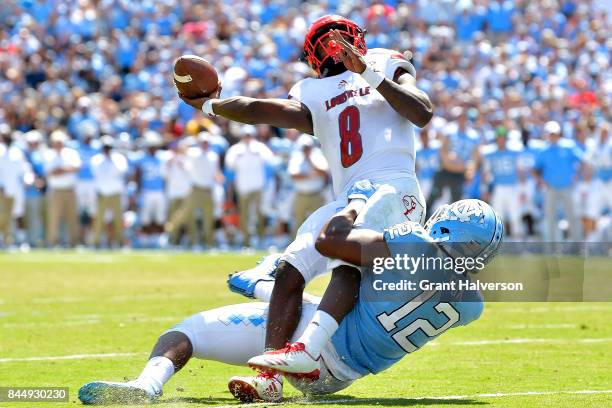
(362, 108)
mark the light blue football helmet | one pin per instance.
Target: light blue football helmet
(467, 228)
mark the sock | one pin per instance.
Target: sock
(318, 332)
(156, 373)
(263, 290)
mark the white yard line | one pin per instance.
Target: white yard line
(416, 399)
(69, 357)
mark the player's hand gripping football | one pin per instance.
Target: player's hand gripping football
(198, 102)
(348, 54)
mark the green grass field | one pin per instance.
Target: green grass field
(69, 318)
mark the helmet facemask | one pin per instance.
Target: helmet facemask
(322, 56)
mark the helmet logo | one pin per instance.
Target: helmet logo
(464, 211)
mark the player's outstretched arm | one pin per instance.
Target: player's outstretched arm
(282, 113)
(402, 94)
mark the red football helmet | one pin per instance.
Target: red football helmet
(320, 29)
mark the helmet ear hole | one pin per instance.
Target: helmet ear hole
(444, 230)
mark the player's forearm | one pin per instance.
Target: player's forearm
(333, 240)
(280, 113)
(409, 101)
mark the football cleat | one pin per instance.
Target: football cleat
(124, 393)
(293, 360)
(244, 282)
(262, 387)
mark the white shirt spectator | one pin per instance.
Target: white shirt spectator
(66, 157)
(178, 181)
(248, 160)
(109, 173)
(13, 169)
(299, 164)
(203, 166)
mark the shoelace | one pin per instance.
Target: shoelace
(285, 350)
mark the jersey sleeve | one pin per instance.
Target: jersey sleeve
(397, 62)
(296, 91)
(303, 91)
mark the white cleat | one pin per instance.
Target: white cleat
(262, 387)
(293, 360)
(124, 393)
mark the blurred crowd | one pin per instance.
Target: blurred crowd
(98, 150)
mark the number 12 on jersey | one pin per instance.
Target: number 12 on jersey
(351, 148)
(389, 321)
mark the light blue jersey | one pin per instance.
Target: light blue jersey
(427, 162)
(558, 163)
(86, 152)
(463, 143)
(150, 171)
(384, 326)
(503, 165)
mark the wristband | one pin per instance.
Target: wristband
(208, 109)
(372, 77)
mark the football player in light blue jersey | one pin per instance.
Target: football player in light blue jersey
(427, 161)
(501, 165)
(378, 332)
(85, 186)
(151, 185)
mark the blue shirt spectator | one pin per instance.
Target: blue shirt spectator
(503, 166)
(558, 163)
(150, 172)
(427, 162)
(499, 16)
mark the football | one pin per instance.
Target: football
(194, 77)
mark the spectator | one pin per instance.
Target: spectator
(556, 169)
(501, 172)
(308, 169)
(247, 161)
(14, 168)
(61, 167)
(86, 186)
(178, 187)
(203, 173)
(35, 189)
(427, 160)
(499, 17)
(109, 169)
(600, 157)
(459, 147)
(151, 185)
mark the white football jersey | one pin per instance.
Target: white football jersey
(361, 135)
